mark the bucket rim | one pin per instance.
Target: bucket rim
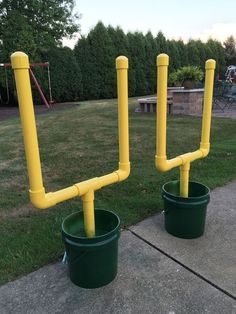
(191, 197)
(99, 237)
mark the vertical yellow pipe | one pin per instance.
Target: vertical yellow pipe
(207, 107)
(122, 91)
(184, 179)
(88, 207)
(20, 65)
(161, 112)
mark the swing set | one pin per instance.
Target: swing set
(46, 102)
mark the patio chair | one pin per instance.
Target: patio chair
(224, 95)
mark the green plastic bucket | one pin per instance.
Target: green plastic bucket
(185, 217)
(92, 262)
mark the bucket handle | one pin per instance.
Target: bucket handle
(66, 259)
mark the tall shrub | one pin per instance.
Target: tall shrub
(66, 75)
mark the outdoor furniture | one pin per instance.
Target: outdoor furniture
(224, 95)
(149, 104)
(179, 101)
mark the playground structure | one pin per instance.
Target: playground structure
(182, 161)
(46, 65)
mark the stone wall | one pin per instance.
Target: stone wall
(187, 101)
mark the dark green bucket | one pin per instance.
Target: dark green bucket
(92, 261)
(185, 217)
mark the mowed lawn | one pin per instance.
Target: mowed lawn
(82, 143)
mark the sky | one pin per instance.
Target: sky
(185, 19)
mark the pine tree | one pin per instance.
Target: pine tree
(230, 50)
(137, 55)
(102, 54)
(66, 77)
(173, 52)
(132, 69)
(193, 53)
(215, 50)
(161, 43)
(221, 59)
(202, 53)
(183, 55)
(150, 64)
(119, 41)
(90, 77)
(120, 46)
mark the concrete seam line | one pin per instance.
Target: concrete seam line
(183, 265)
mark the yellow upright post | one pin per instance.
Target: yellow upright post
(182, 161)
(123, 121)
(207, 107)
(162, 62)
(85, 189)
(20, 64)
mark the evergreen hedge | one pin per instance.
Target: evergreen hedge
(88, 71)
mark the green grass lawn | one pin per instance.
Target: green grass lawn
(81, 143)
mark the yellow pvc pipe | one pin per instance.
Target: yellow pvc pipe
(20, 64)
(161, 161)
(88, 207)
(184, 179)
(38, 197)
(161, 112)
(122, 92)
(207, 107)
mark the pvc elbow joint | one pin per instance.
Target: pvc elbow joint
(41, 200)
(161, 164)
(205, 149)
(124, 171)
